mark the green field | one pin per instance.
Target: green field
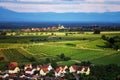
(15, 55)
(41, 45)
(110, 59)
(80, 51)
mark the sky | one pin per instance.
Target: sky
(61, 6)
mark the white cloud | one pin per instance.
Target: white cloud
(84, 6)
(35, 0)
(95, 0)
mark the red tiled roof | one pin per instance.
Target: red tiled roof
(27, 65)
(46, 65)
(75, 67)
(29, 69)
(81, 67)
(45, 70)
(11, 67)
(57, 70)
(86, 68)
(40, 66)
(62, 66)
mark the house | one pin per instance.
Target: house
(26, 30)
(60, 71)
(73, 68)
(28, 69)
(38, 67)
(35, 29)
(83, 69)
(45, 69)
(48, 66)
(79, 69)
(13, 68)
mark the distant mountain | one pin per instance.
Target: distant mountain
(7, 15)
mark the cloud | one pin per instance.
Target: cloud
(61, 6)
(34, 0)
(95, 0)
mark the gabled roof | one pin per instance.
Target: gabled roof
(29, 69)
(57, 70)
(75, 67)
(83, 67)
(12, 65)
(46, 65)
(62, 66)
(40, 66)
(45, 70)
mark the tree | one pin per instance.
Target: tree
(111, 40)
(52, 33)
(104, 37)
(1, 58)
(66, 34)
(3, 33)
(96, 31)
(47, 60)
(62, 56)
(32, 59)
(54, 64)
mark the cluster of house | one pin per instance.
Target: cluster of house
(39, 71)
(44, 29)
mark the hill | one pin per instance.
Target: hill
(7, 15)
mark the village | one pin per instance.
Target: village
(42, 72)
(53, 28)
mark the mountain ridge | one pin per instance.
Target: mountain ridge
(8, 15)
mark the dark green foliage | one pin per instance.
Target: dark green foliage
(3, 33)
(113, 42)
(54, 64)
(66, 34)
(85, 63)
(32, 59)
(104, 37)
(108, 72)
(90, 78)
(47, 60)
(70, 44)
(52, 33)
(96, 31)
(69, 76)
(1, 58)
(63, 57)
(118, 77)
(3, 65)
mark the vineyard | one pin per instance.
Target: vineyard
(75, 50)
(43, 45)
(14, 55)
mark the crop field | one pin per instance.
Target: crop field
(41, 45)
(109, 59)
(14, 55)
(76, 50)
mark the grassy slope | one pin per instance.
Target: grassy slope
(84, 50)
(110, 59)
